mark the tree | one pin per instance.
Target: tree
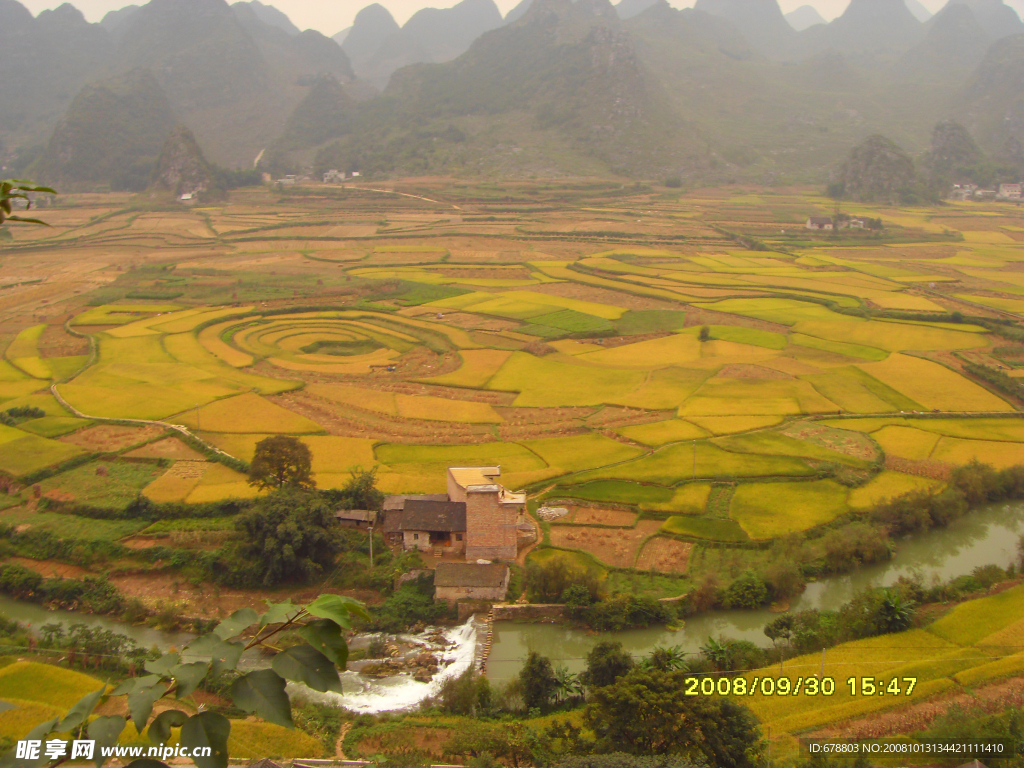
(780, 628)
(361, 492)
(647, 712)
(539, 681)
(895, 613)
(747, 591)
(705, 333)
(291, 535)
(569, 686)
(175, 675)
(667, 659)
(18, 189)
(281, 461)
(606, 663)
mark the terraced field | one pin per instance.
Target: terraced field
(642, 365)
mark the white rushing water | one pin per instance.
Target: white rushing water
(401, 692)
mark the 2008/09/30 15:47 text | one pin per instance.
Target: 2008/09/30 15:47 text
(797, 686)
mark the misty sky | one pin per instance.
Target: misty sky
(331, 16)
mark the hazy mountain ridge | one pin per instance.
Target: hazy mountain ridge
(727, 89)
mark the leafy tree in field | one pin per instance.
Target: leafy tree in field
(705, 333)
(539, 681)
(175, 675)
(281, 461)
(606, 663)
(291, 535)
(647, 712)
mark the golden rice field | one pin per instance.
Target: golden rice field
(668, 356)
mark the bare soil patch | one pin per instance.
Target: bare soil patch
(107, 438)
(599, 516)
(168, 448)
(615, 546)
(936, 470)
(51, 569)
(665, 555)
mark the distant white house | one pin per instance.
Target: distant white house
(1010, 191)
(334, 176)
(356, 174)
(186, 197)
(819, 222)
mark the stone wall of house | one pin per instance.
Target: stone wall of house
(490, 527)
(416, 540)
(451, 594)
(528, 612)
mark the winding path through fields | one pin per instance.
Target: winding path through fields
(166, 425)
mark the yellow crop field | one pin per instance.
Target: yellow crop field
(662, 432)
(675, 463)
(777, 444)
(24, 344)
(210, 338)
(970, 622)
(542, 382)
(18, 722)
(46, 684)
(886, 485)
(220, 482)
(663, 389)
(956, 451)
(933, 385)
(907, 442)
(688, 498)
(358, 397)
(906, 301)
(335, 455)
(581, 451)
(740, 397)
(259, 740)
(247, 413)
(24, 453)
(728, 425)
(1009, 429)
(768, 510)
(478, 366)
(181, 322)
(120, 314)
(444, 409)
(893, 337)
(174, 486)
(860, 351)
(677, 349)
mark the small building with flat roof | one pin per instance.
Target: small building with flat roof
(470, 581)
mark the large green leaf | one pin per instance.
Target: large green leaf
(337, 608)
(278, 613)
(140, 703)
(262, 692)
(223, 655)
(188, 677)
(40, 732)
(207, 729)
(326, 637)
(305, 664)
(235, 623)
(79, 713)
(105, 731)
(129, 685)
(164, 663)
(160, 728)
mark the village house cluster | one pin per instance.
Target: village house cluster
(829, 223)
(1010, 191)
(478, 521)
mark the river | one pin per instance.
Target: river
(983, 536)
(986, 535)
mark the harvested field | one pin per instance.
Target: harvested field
(599, 516)
(617, 548)
(111, 438)
(665, 555)
(168, 448)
